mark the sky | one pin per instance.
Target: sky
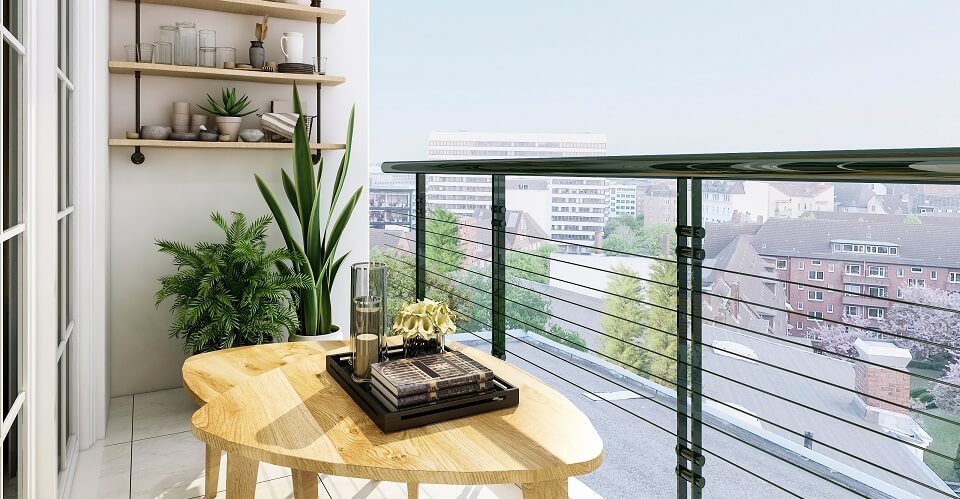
(668, 77)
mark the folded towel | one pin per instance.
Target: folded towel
(281, 124)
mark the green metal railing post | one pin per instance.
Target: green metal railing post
(498, 297)
(421, 236)
(682, 297)
(696, 332)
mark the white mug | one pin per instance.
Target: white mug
(291, 44)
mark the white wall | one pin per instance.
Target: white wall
(172, 194)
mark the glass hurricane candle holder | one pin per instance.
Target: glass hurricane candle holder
(368, 290)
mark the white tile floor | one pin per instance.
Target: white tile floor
(148, 452)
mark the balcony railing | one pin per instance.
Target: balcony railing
(695, 343)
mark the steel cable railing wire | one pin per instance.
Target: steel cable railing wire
(672, 433)
(806, 376)
(706, 267)
(706, 293)
(781, 339)
(684, 363)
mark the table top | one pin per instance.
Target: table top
(296, 415)
(207, 375)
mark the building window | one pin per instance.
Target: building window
(876, 271)
(815, 316)
(829, 309)
(877, 291)
(781, 265)
(899, 272)
(955, 277)
(851, 311)
(916, 283)
(875, 313)
(800, 325)
(815, 275)
(830, 267)
(815, 295)
(852, 269)
(799, 305)
(853, 288)
(800, 287)
(933, 275)
(816, 263)
(800, 266)
(916, 270)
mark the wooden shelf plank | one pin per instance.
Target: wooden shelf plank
(123, 67)
(179, 144)
(259, 8)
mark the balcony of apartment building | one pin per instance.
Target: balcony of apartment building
(211, 289)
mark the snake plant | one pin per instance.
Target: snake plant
(320, 225)
(229, 104)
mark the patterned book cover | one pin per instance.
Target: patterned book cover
(430, 373)
(390, 399)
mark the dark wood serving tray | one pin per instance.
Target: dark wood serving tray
(390, 419)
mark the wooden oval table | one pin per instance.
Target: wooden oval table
(297, 416)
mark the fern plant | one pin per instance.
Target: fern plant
(230, 294)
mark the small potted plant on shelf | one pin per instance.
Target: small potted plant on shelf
(423, 325)
(230, 293)
(229, 111)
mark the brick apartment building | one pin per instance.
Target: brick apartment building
(869, 257)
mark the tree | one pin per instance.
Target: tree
(664, 319)
(937, 326)
(912, 219)
(401, 284)
(524, 265)
(623, 314)
(567, 337)
(526, 308)
(838, 338)
(627, 233)
(948, 397)
(443, 241)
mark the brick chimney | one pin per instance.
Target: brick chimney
(665, 244)
(598, 239)
(736, 218)
(881, 385)
(759, 219)
(735, 295)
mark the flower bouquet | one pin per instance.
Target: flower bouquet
(423, 325)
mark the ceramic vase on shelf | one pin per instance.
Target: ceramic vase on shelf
(368, 291)
(229, 125)
(257, 55)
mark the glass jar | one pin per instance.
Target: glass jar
(208, 38)
(208, 57)
(163, 54)
(186, 46)
(168, 34)
(368, 292)
(226, 57)
(146, 52)
(415, 345)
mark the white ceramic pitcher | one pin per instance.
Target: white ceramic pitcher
(291, 44)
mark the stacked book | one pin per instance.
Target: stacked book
(427, 379)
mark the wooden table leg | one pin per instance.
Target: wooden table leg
(413, 490)
(553, 489)
(241, 477)
(305, 485)
(211, 472)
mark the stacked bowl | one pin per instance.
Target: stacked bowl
(181, 117)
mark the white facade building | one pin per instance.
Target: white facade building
(756, 201)
(572, 210)
(622, 199)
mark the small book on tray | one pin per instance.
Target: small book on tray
(438, 374)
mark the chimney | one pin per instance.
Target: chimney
(735, 294)
(736, 218)
(881, 385)
(665, 244)
(598, 239)
(808, 439)
(759, 219)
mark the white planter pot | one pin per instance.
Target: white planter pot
(229, 125)
(332, 336)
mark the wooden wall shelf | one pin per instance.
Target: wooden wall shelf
(177, 144)
(123, 67)
(259, 8)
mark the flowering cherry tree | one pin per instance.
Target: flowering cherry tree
(936, 326)
(948, 397)
(838, 338)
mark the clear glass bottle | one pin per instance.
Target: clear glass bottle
(368, 292)
(168, 34)
(208, 38)
(186, 47)
(163, 53)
